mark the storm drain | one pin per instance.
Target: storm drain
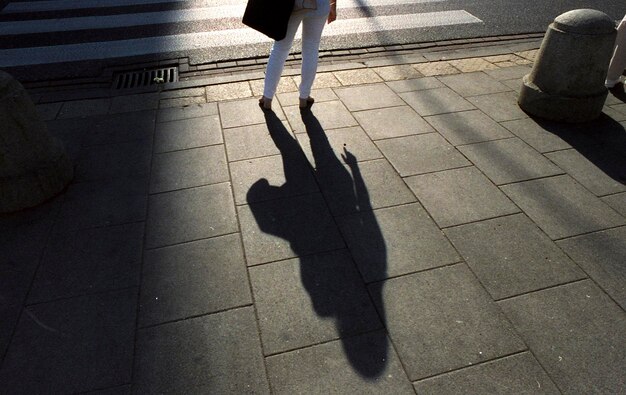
(146, 77)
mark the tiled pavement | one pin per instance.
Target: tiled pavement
(414, 232)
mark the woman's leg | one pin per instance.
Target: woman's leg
(311, 33)
(618, 62)
(278, 56)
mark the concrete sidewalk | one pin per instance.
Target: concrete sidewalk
(415, 232)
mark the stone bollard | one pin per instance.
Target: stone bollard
(33, 165)
(567, 79)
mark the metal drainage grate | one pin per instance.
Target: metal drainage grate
(142, 78)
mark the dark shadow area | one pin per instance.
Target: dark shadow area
(335, 292)
(602, 141)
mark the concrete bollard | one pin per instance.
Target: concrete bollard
(33, 165)
(567, 79)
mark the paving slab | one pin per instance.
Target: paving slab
(561, 207)
(326, 368)
(130, 159)
(397, 72)
(392, 122)
(228, 91)
(467, 127)
(473, 84)
(272, 173)
(509, 160)
(73, 345)
(187, 133)
(511, 256)
(103, 203)
(602, 256)
(118, 128)
(321, 297)
(217, 354)
(48, 111)
(190, 214)
(188, 168)
(536, 135)
(458, 196)
(424, 153)
(617, 202)
(326, 115)
(436, 101)
(84, 108)
(132, 103)
(357, 77)
(245, 112)
(517, 374)
(193, 279)
(186, 112)
(604, 177)
(416, 84)
(119, 390)
(89, 261)
(287, 228)
(368, 97)
(509, 73)
(394, 241)
(367, 185)
(577, 334)
(320, 95)
(250, 142)
(442, 320)
(499, 106)
(334, 142)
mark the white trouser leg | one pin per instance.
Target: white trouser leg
(278, 56)
(311, 33)
(618, 62)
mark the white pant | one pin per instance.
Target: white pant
(618, 62)
(313, 22)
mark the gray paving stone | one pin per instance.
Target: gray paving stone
(509, 160)
(103, 203)
(120, 390)
(511, 256)
(287, 228)
(186, 112)
(275, 170)
(190, 214)
(88, 261)
(499, 106)
(245, 112)
(213, 354)
(394, 241)
(10, 314)
(602, 256)
(310, 300)
(84, 108)
(577, 334)
(327, 115)
(509, 73)
(515, 84)
(617, 202)
(73, 345)
(320, 95)
(189, 168)
(48, 111)
(517, 374)
(252, 141)
(325, 368)
(130, 159)
(187, 133)
(589, 174)
(193, 279)
(442, 319)
(424, 153)
(334, 141)
(458, 196)
(535, 135)
(367, 97)
(117, 128)
(392, 122)
(561, 207)
(417, 84)
(467, 127)
(368, 185)
(131, 103)
(436, 101)
(472, 84)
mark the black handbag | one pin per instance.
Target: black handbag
(269, 17)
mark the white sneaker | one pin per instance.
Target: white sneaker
(611, 83)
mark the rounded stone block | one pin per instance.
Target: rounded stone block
(567, 79)
(33, 165)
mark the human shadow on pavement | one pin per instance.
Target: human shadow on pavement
(333, 283)
(601, 141)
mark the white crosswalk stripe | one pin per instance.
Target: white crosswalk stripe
(209, 10)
